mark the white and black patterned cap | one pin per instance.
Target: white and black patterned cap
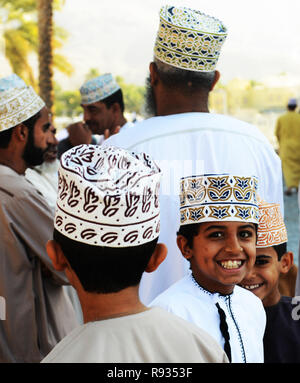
(108, 196)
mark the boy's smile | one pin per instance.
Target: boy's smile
(222, 254)
(263, 279)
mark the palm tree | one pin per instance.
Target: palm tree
(21, 37)
(45, 28)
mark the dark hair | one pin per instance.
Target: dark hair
(116, 97)
(106, 269)
(280, 250)
(186, 80)
(5, 136)
(191, 230)
(292, 107)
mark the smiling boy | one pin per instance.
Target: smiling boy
(219, 217)
(282, 335)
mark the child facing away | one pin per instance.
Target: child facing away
(219, 217)
(106, 230)
(282, 335)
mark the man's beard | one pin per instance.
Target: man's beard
(150, 104)
(33, 155)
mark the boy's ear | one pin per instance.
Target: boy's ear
(183, 246)
(56, 255)
(286, 262)
(158, 256)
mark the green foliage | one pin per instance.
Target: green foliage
(133, 95)
(19, 18)
(67, 103)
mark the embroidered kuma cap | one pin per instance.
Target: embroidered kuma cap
(218, 197)
(108, 197)
(271, 228)
(98, 89)
(189, 39)
(18, 102)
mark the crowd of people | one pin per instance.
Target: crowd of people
(159, 241)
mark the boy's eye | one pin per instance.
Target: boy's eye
(261, 262)
(246, 234)
(216, 234)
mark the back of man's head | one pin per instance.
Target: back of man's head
(187, 48)
(107, 216)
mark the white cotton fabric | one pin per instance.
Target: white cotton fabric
(245, 316)
(153, 336)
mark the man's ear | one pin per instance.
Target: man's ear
(286, 262)
(56, 255)
(153, 74)
(21, 132)
(216, 79)
(183, 246)
(158, 256)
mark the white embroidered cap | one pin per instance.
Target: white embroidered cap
(108, 197)
(218, 197)
(271, 228)
(98, 89)
(189, 39)
(18, 102)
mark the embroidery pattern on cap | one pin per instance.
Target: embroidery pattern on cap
(189, 39)
(98, 89)
(218, 197)
(108, 197)
(271, 228)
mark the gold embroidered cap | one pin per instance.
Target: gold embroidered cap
(218, 197)
(108, 197)
(271, 228)
(189, 39)
(18, 102)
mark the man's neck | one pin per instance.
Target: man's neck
(97, 307)
(18, 166)
(176, 103)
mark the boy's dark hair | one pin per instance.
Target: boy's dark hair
(106, 269)
(5, 136)
(191, 230)
(280, 250)
(116, 97)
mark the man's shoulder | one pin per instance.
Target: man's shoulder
(184, 123)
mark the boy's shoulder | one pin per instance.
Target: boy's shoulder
(247, 299)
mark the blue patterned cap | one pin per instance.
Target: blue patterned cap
(10, 82)
(98, 89)
(218, 197)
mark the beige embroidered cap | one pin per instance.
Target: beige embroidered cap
(18, 102)
(218, 197)
(108, 197)
(189, 39)
(271, 228)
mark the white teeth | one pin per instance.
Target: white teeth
(231, 264)
(251, 287)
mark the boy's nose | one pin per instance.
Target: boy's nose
(233, 246)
